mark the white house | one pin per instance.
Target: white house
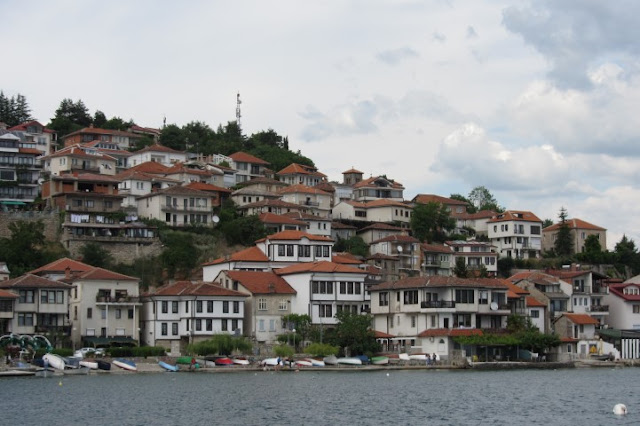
(476, 254)
(315, 201)
(623, 301)
(516, 234)
(178, 206)
(158, 154)
(186, 312)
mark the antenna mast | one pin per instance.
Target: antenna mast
(238, 115)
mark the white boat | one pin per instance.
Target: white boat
(350, 361)
(418, 357)
(125, 364)
(304, 363)
(380, 360)
(270, 362)
(89, 364)
(54, 361)
(330, 360)
(240, 361)
(316, 362)
(404, 357)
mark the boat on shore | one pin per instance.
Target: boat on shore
(380, 360)
(303, 363)
(103, 365)
(350, 361)
(316, 362)
(46, 372)
(224, 361)
(54, 361)
(240, 361)
(125, 364)
(89, 364)
(330, 360)
(270, 362)
(168, 366)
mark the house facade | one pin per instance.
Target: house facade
(580, 230)
(379, 187)
(476, 255)
(178, 206)
(158, 154)
(300, 174)
(516, 234)
(19, 172)
(247, 166)
(315, 201)
(124, 140)
(33, 132)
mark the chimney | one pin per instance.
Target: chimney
(67, 273)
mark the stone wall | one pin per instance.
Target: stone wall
(120, 251)
(51, 220)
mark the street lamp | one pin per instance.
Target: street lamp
(294, 340)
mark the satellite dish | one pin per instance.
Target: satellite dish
(493, 306)
(215, 219)
(399, 249)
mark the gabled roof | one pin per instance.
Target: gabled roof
(261, 282)
(302, 189)
(150, 167)
(297, 235)
(534, 303)
(436, 248)
(61, 265)
(182, 168)
(243, 157)
(451, 332)
(29, 151)
(345, 259)
(381, 256)
(396, 239)
(301, 169)
(327, 267)
(99, 131)
(564, 274)
(23, 126)
(618, 290)
(199, 288)
(100, 274)
(579, 319)
(385, 202)
(340, 225)
(176, 190)
(7, 294)
(535, 277)
(306, 217)
(280, 219)
(440, 281)
(156, 147)
(381, 226)
(574, 224)
(32, 281)
(482, 214)
(517, 215)
(251, 254)
(261, 180)
(429, 198)
(371, 182)
(80, 152)
(352, 171)
(201, 186)
(148, 177)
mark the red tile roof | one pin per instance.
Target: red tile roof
(328, 267)
(382, 335)
(396, 239)
(7, 294)
(345, 259)
(482, 214)
(451, 332)
(200, 288)
(78, 151)
(158, 148)
(251, 254)
(261, 282)
(575, 224)
(261, 180)
(583, 319)
(32, 281)
(100, 274)
(177, 190)
(243, 157)
(61, 265)
(436, 248)
(534, 303)
(23, 126)
(517, 215)
(29, 151)
(302, 189)
(301, 169)
(201, 186)
(381, 226)
(269, 202)
(428, 198)
(150, 167)
(618, 290)
(371, 182)
(280, 219)
(340, 225)
(98, 131)
(352, 170)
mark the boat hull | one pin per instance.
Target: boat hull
(103, 365)
(168, 367)
(349, 361)
(54, 361)
(89, 364)
(240, 361)
(380, 360)
(125, 364)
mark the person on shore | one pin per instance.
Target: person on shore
(434, 358)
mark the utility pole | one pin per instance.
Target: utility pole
(238, 114)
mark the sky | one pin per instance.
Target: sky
(535, 100)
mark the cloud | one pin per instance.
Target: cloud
(577, 36)
(348, 119)
(601, 120)
(471, 32)
(439, 37)
(395, 56)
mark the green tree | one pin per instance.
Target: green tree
(321, 349)
(353, 333)
(173, 137)
(244, 230)
(14, 110)
(470, 207)
(483, 199)
(301, 323)
(220, 344)
(95, 255)
(547, 223)
(505, 265)
(460, 270)
(563, 244)
(70, 117)
(180, 254)
(199, 137)
(117, 123)
(354, 245)
(99, 119)
(283, 351)
(626, 254)
(23, 251)
(592, 250)
(430, 221)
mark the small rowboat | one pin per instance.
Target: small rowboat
(315, 362)
(184, 360)
(330, 360)
(125, 364)
(404, 357)
(54, 361)
(418, 357)
(380, 360)
(271, 362)
(240, 361)
(223, 361)
(350, 361)
(103, 365)
(89, 364)
(168, 366)
(46, 372)
(303, 363)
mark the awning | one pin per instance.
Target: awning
(108, 341)
(13, 203)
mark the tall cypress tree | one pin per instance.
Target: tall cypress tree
(563, 245)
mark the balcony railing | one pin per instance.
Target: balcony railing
(598, 308)
(435, 304)
(119, 299)
(582, 289)
(53, 329)
(309, 203)
(182, 208)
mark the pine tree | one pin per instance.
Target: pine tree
(563, 245)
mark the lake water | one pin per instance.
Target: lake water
(426, 397)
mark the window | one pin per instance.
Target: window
(26, 296)
(224, 325)
(236, 307)
(413, 321)
(636, 309)
(322, 287)
(282, 305)
(165, 307)
(225, 307)
(89, 313)
(209, 306)
(209, 325)
(174, 328)
(103, 314)
(262, 304)
(272, 325)
(260, 325)
(198, 305)
(410, 297)
(234, 325)
(465, 296)
(289, 250)
(118, 313)
(198, 325)
(174, 307)
(163, 329)
(356, 288)
(326, 311)
(325, 251)
(433, 321)
(25, 320)
(280, 249)
(383, 298)
(535, 230)
(130, 314)
(186, 306)
(535, 314)
(462, 320)
(483, 297)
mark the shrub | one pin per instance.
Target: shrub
(220, 344)
(321, 349)
(283, 351)
(136, 351)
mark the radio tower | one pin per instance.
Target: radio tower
(238, 115)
